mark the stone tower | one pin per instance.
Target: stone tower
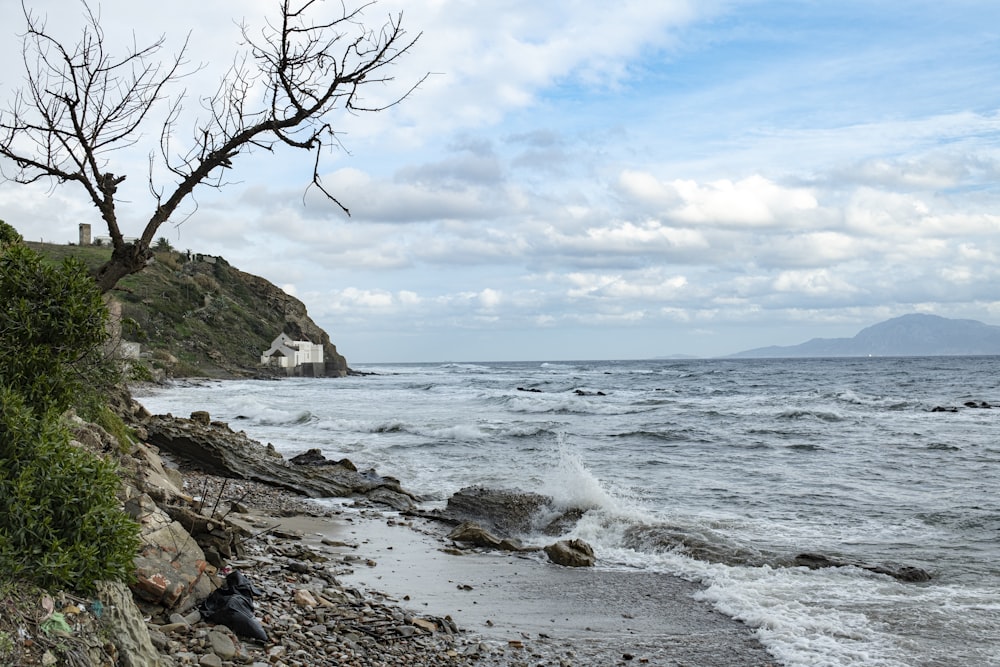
(84, 233)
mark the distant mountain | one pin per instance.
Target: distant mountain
(907, 336)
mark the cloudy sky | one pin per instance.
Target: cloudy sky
(578, 182)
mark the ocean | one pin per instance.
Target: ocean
(718, 471)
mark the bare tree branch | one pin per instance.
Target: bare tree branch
(81, 105)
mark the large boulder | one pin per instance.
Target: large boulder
(503, 511)
(477, 536)
(170, 564)
(571, 553)
(169, 567)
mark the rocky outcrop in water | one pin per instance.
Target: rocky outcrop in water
(490, 518)
(714, 549)
(217, 449)
(505, 512)
(907, 573)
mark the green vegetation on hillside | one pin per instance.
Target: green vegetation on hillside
(54, 328)
(199, 316)
(62, 525)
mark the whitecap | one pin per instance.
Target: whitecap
(821, 415)
(459, 432)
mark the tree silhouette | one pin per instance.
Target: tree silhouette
(81, 105)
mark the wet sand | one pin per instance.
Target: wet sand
(543, 614)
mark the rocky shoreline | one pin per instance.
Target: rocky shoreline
(311, 619)
(215, 506)
(315, 619)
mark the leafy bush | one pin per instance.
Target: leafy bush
(60, 519)
(62, 526)
(52, 331)
(162, 245)
(8, 235)
(139, 372)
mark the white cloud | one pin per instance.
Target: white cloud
(352, 297)
(883, 213)
(408, 298)
(564, 171)
(754, 201)
(660, 290)
(913, 174)
(650, 285)
(818, 282)
(646, 188)
(958, 274)
(812, 249)
(490, 298)
(626, 236)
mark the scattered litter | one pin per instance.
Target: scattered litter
(56, 624)
(232, 606)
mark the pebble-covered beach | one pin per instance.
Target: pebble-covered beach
(310, 618)
(303, 557)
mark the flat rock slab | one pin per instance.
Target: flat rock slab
(214, 448)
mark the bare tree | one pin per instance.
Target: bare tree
(81, 104)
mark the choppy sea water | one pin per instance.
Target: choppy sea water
(714, 470)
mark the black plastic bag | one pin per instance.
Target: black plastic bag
(232, 606)
(235, 581)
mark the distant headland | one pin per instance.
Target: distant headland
(915, 335)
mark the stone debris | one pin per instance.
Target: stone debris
(473, 534)
(310, 618)
(199, 529)
(313, 621)
(323, 626)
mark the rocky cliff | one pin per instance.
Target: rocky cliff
(197, 315)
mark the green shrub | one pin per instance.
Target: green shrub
(162, 245)
(138, 371)
(6, 645)
(206, 283)
(112, 422)
(8, 235)
(62, 526)
(52, 331)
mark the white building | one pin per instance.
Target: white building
(287, 353)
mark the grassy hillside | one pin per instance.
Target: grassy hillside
(199, 316)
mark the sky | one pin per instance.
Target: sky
(570, 181)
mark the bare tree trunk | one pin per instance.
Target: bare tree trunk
(126, 259)
(80, 105)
